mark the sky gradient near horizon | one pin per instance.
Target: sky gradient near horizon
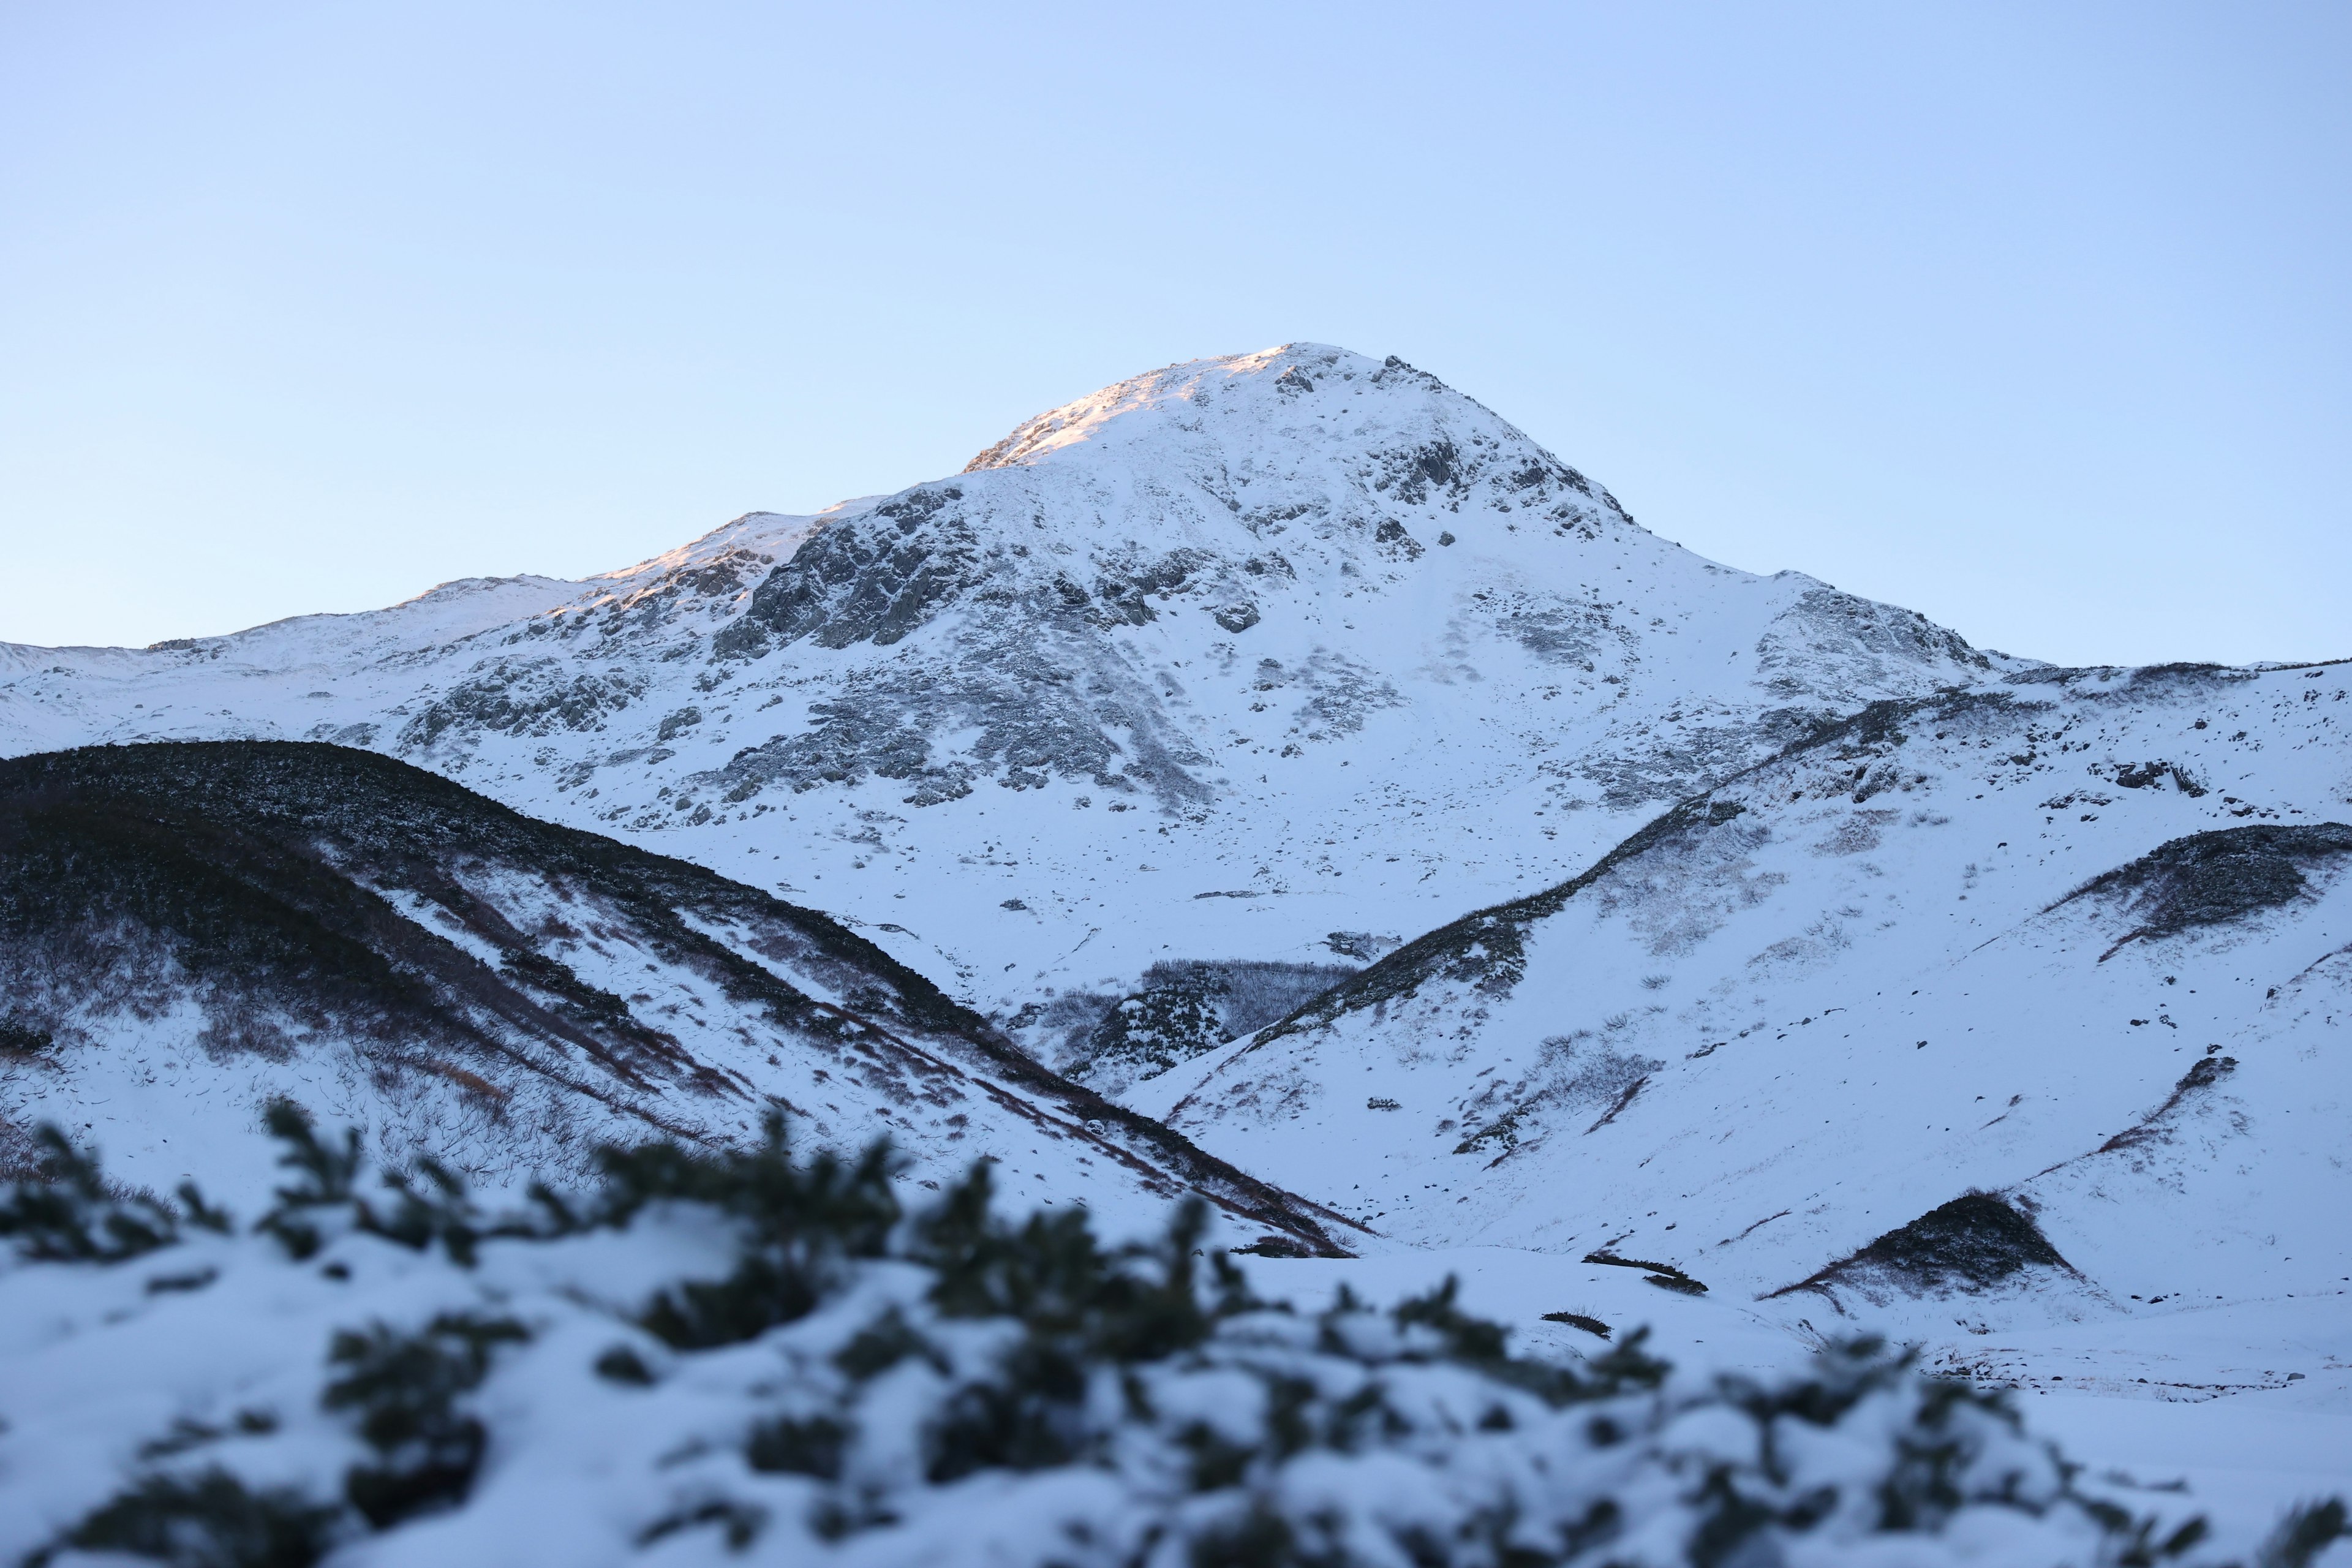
(2030, 317)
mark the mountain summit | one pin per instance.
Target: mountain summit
(1275, 657)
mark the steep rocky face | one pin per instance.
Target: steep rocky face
(190, 929)
(2008, 1003)
(1211, 665)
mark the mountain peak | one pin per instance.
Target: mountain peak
(1234, 622)
(1140, 403)
(1249, 411)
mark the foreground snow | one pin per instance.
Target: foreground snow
(718, 1354)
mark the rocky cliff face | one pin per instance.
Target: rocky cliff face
(1248, 658)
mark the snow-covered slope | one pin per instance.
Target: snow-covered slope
(189, 931)
(723, 1360)
(2072, 957)
(1214, 664)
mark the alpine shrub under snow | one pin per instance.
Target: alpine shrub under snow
(715, 1355)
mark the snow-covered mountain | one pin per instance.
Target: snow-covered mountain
(2016, 1017)
(1828, 971)
(1278, 657)
(190, 931)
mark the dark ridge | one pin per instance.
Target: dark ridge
(1661, 1274)
(2188, 675)
(1971, 1243)
(1487, 948)
(2208, 1071)
(2211, 878)
(258, 869)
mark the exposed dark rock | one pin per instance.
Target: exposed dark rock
(2147, 775)
(523, 697)
(872, 577)
(1361, 944)
(1030, 717)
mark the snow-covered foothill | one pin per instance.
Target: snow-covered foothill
(191, 929)
(1997, 1017)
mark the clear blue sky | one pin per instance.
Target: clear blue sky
(2032, 317)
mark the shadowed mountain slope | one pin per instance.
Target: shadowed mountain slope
(189, 929)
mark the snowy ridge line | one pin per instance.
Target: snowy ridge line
(1494, 937)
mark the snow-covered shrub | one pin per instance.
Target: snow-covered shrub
(715, 1354)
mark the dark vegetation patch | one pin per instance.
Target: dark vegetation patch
(211, 1520)
(403, 1391)
(1971, 1243)
(63, 1211)
(1077, 1313)
(1188, 1006)
(2186, 676)
(2211, 878)
(248, 875)
(1039, 1351)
